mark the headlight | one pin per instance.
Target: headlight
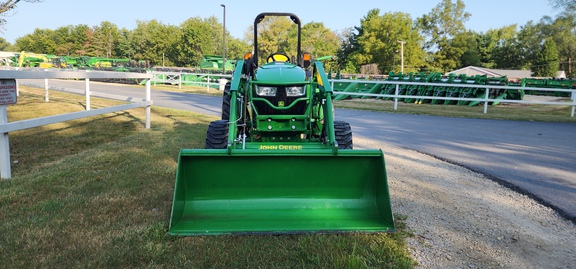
(292, 91)
(265, 91)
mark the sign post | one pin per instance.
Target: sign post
(8, 96)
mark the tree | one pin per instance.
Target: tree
(563, 31)
(215, 35)
(352, 51)
(378, 39)
(71, 39)
(195, 38)
(123, 46)
(320, 41)
(547, 60)
(10, 5)
(499, 48)
(151, 41)
(40, 41)
(564, 4)
(105, 38)
(236, 48)
(508, 56)
(348, 46)
(442, 27)
(4, 44)
(528, 44)
(471, 57)
(61, 36)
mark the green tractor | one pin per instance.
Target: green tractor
(277, 162)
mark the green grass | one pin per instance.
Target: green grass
(97, 193)
(502, 111)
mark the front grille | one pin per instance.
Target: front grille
(264, 109)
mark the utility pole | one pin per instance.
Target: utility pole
(402, 56)
(224, 41)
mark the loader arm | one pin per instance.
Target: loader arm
(321, 80)
(235, 88)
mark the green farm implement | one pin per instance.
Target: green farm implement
(549, 83)
(429, 86)
(277, 162)
(215, 63)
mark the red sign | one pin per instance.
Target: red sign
(8, 92)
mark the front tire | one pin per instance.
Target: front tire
(217, 135)
(343, 134)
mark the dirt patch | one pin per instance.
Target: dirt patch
(461, 219)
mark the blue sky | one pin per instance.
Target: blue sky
(336, 15)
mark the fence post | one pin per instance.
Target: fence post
(208, 83)
(46, 94)
(180, 81)
(148, 97)
(87, 93)
(5, 171)
(396, 97)
(486, 100)
(573, 103)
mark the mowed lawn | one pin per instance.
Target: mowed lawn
(97, 193)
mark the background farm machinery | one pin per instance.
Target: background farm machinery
(215, 63)
(436, 85)
(28, 59)
(209, 64)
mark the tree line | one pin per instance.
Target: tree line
(437, 41)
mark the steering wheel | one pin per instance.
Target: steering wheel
(278, 57)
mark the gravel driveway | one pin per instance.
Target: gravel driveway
(461, 219)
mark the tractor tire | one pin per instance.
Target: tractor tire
(217, 135)
(226, 102)
(343, 134)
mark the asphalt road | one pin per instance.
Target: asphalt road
(534, 158)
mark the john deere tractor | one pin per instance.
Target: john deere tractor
(277, 162)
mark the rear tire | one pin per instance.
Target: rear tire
(343, 134)
(226, 102)
(217, 135)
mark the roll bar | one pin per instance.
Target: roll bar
(261, 17)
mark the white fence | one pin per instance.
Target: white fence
(7, 127)
(179, 78)
(183, 78)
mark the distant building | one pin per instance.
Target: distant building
(5, 58)
(510, 74)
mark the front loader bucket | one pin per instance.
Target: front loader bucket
(257, 191)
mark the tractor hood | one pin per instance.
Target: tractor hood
(276, 72)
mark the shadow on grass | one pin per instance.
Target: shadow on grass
(45, 144)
